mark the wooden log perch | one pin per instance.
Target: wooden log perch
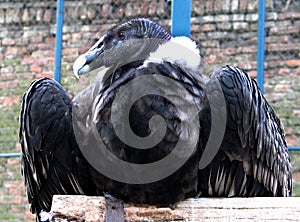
(85, 208)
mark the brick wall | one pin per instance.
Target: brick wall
(225, 30)
(227, 34)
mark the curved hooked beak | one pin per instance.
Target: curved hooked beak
(87, 61)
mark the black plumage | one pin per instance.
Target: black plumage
(51, 160)
(251, 160)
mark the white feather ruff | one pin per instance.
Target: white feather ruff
(179, 50)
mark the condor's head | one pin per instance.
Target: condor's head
(125, 43)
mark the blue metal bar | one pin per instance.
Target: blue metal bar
(181, 17)
(9, 155)
(261, 43)
(294, 148)
(58, 39)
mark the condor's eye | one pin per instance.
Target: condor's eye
(121, 35)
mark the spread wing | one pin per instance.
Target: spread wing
(253, 159)
(51, 161)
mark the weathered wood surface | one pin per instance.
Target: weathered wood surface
(84, 208)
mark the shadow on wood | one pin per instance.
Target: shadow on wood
(85, 208)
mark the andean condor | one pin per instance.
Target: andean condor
(168, 131)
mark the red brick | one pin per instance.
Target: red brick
(243, 5)
(43, 46)
(240, 26)
(271, 72)
(8, 76)
(50, 61)
(49, 54)
(24, 198)
(69, 59)
(50, 40)
(36, 39)
(209, 43)
(218, 5)
(27, 59)
(12, 50)
(70, 51)
(8, 41)
(107, 10)
(9, 100)
(21, 41)
(209, 6)
(66, 37)
(211, 59)
(161, 8)
(13, 184)
(282, 88)
(282, 47)
(252, 5)
(144, 7)
(129, 9)
(17, 200)
(198, 8)
(296, 112)
(45, 74)
(246, 49)
(14, 210)
(76, 35)
(247, 65)
(229, 51)
(274, 63)
(291, 141)
(208, 27)
(284, 71)
(35, 68)
(195, 28)
(288, 131)
(13, 161)
(284, 29)
(7, 69)
(152, 8)
(14, 192)
(253, 27)
(47, 15)
(288, 15)
(2, 16)
(28, 76)
(213, 51)
(293, 63)
(18, 147)
(224, 26)
(9, 84)
(277, 39)
(297, 71)
(296, 176)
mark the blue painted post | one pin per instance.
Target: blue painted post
(294, 148)
(181, 17)
(261, 43)
(9, 155)
(261, 50)
(58, 39)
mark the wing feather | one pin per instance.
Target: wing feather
(50, 155)
(254, 137)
